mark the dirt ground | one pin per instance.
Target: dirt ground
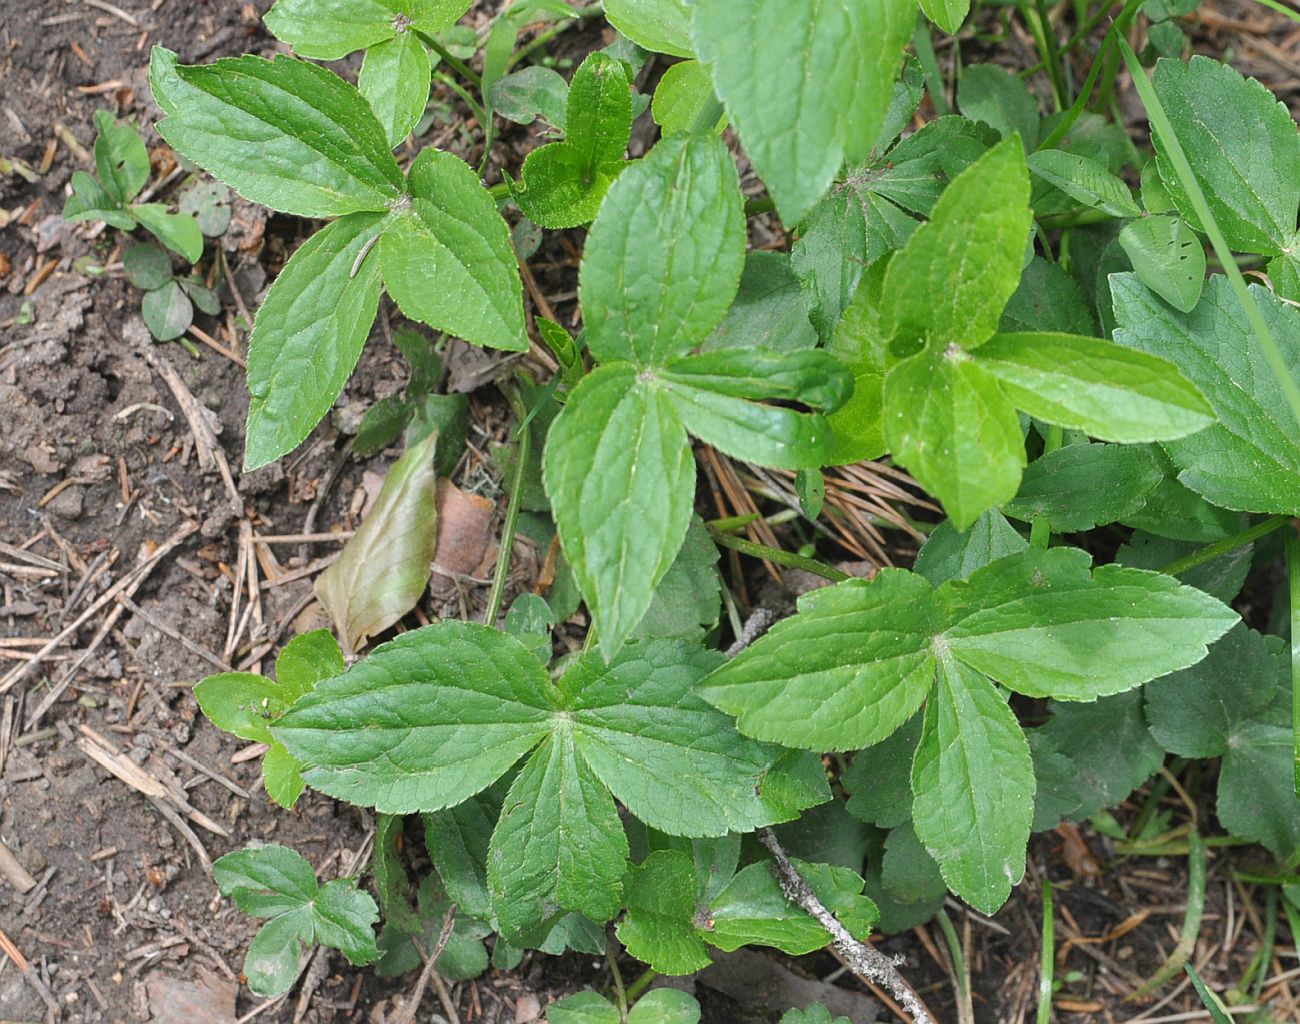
(126, 533)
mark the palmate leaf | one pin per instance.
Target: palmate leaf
(1250, 459)
(442, 712)
(1038, 622)
(827, 73)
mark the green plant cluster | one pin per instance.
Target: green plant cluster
(1114, 439)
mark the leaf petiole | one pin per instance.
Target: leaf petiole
(786, 558)
(1212, 551)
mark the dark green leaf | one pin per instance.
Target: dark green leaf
(330, 29)
(167, 311)
(147, 266)
(949, 555)
(769, 310)
(1081, 486)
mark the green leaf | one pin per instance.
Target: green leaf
(847, 671)
(242, 703)
(948, 555)
(275, 882)
(974, 786)
(464, 956)
(457, 840)
(661, 26)
(1250, 459)
(1090, 756)
(283, 133)
(308, 335)
(425, 722)
(529, 93)
(687, 600)
(530, 621)
(674, 762)
(559, 845)
(382, 424)
(947, 14)
(1041, 624)
(1243, 148)
(562, 184)
(906, 883)
(948, 421)
(1257, 797)
(827, 73)
(753, 910)
(394, 79)
(769, 310)
(383, 569)
(1096, 386)
(681, 96)
(1048, 299)
(453, 235)
(1168, 258)
(879, 781)
(621, 477)
(664, 258)
(1222, 577)
(91, 201)
(391, 880)
(282, 776)
(178, 231)
(167, 311)
(1086, 181)
(1081, 486)
(208, 202)
(998, 97)
(815, 1014)
(120, 157)
(665, 1006)
(952, 279)
(330, 29)
(203, 298)
(658, 928)
(583, 1008)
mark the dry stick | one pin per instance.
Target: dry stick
(134, 577)
(864, 961)
(179, 637)
(408, 1011)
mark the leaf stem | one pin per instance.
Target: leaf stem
(1047, 960)
(1212, 551)
(1191, 921)
(502, 571)
(455, 63)
(635, 989)
(1164, 130)
(474, 106)
(786, 558)
(709, 115)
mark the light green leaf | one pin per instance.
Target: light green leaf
(91, 201)
(661, 26)
(950, 424)
(658, 928)
(663, 260)
(284, 133)
(120, 157)
(846, 672)
(825, 85)
(330, 29)
(1086, 181)
(275, 882)
(1243, 148)
(282, 776)
(681, 95)
(167, 311)
(974, 786)
(583, 1008)
(947, 14)
(562, 184)
(1250, 459)
(621, 477)
(952, 279)
(1168, 258)
(394, 79)
(448, 262)
(559, 845)
(382, 571)
(1081, 486)
(674, 762)
(1041, 624)
(425, 722)
(665, 1006)
(308, 335)
(178, 231)
(1112, 393)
